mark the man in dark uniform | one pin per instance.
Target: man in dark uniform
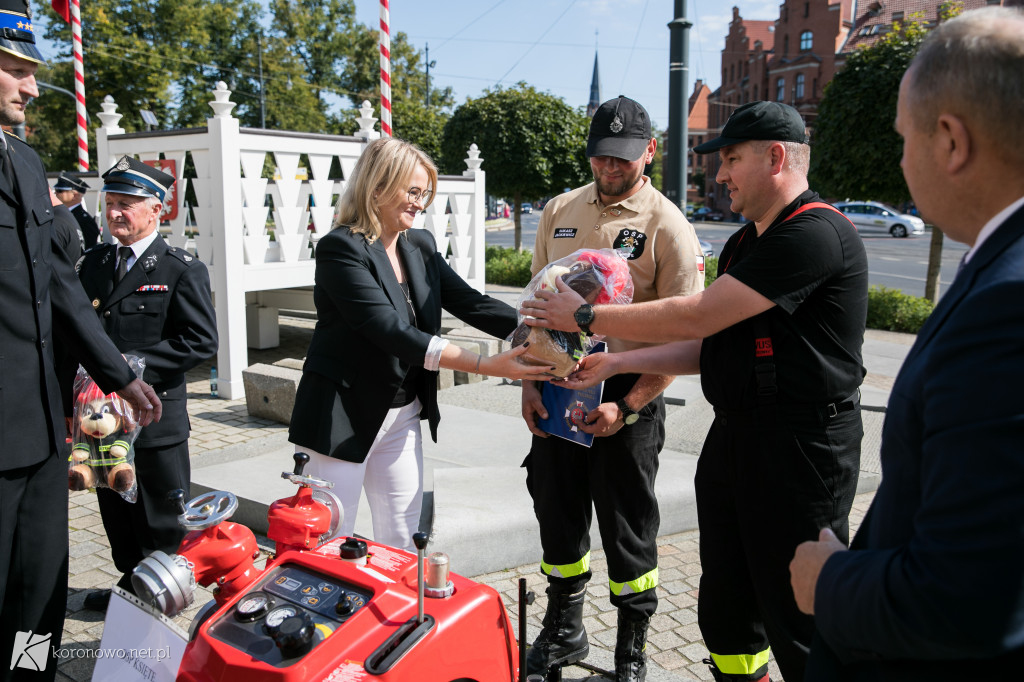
(71, 190)
(39, 299)
(777, 342)
(154, 302)
(67, 229)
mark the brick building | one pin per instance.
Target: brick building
(697, 132)
(792, 58)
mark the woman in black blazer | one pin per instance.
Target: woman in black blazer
(370, 374)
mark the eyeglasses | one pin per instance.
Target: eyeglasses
(419, 196)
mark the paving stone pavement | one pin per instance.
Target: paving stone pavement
(674, 642)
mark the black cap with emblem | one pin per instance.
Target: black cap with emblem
(131, 176)
(620, 128)
(67, 182)
(17, 33)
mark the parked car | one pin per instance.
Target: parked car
(527, 208)
(708, 213)
(706, 248)
(875, 217)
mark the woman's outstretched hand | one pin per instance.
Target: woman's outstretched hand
(592, 370)
(508, 365)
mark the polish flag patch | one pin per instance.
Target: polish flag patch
(700, 262)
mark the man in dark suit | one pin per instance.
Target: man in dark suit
(154, 302)
(932, 587)
(71, 190)
(40, 299)
(67, 229)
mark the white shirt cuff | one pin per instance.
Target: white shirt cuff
(432, 361)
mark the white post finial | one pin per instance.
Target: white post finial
(366, 120)
(109, 116)
(222, 104)
(473, 159)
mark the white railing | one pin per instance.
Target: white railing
(255, 232)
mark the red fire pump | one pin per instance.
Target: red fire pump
(324, 608)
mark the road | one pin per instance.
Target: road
(893, 263)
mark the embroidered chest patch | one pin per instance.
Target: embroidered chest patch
(631, 241)
(565, 233)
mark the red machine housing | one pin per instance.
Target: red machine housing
(222, 555)
(470, 638)
(297, 522)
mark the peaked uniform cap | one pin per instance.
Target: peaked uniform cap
(17, 32)
(131, 176)
(66, 181)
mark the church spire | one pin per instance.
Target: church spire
(595, 86)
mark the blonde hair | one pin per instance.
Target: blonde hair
(381, 174)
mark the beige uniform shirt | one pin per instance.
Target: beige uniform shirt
(665, 260)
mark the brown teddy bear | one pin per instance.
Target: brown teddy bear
(102, 438)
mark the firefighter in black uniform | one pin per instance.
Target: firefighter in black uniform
(778, 347)
(71, 191)
(40, 299)
(154, 302)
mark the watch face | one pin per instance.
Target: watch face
(631, 418)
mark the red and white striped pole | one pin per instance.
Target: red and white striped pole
(83, 134)
(385, 69)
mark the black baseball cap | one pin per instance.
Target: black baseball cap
(17, 32)
(759, 121)
(66, 181)
(620, 128)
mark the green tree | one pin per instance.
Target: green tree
(411, 119)
(856, 150)
(533, 144)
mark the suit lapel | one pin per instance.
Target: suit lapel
(386, 274)
(25, 185)
(6, 188)
(416, 275)
(1011, 230)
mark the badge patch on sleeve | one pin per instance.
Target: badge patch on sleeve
(700, 262)
(565, 233)
(631, 241)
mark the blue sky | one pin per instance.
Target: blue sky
(550, 43)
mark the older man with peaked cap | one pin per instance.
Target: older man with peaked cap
(154, 302)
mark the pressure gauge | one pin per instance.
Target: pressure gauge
(252, 607)
(278, 616)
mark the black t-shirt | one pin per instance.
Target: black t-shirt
(814, 268)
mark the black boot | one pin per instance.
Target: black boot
(562, 640)
(630, 647)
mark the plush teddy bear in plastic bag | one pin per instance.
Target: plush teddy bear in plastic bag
(103, 429)
(599, 276)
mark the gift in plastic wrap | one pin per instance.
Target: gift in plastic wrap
(103, 429)
(599, 276)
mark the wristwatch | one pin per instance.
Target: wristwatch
(584, 317)
(629, 416)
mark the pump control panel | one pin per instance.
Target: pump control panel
(287, 614)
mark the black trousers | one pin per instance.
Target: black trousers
(151, 523)
(767, 481)
(615, 477)
(33, 564)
